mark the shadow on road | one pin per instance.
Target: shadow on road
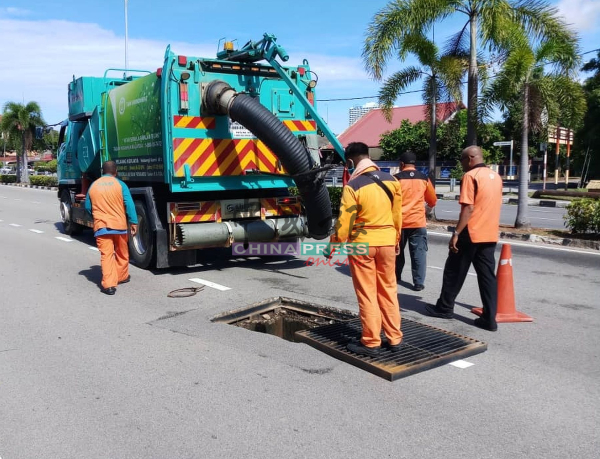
(416, 304)
(93, 274)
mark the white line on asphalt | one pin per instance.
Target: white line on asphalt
(553, 219)
(16, 225)
(17, 199)
(437, 267)
(94, 248)
(36, 202)
(36, 231)
(462, 364)
(65, 239)
(542, 211)
(531, 245)
(210, 284)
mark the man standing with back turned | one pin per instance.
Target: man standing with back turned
(109, 202)
(371, 213)
(417, 190)
(474, 240)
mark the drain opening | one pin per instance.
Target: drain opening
(283, 317)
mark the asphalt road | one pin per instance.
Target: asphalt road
(540, 217)
(140, 375)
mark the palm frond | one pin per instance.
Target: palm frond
(394, 85)
(459, 42)
(419, 45)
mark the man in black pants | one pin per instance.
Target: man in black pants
(474, 240)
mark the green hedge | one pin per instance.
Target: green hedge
(8, 178)
(335, 195)
(49, 166)
(583, 216)
(43, 180)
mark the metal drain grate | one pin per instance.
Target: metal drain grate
(423, 347)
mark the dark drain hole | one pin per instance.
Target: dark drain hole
(283, 317)
(283, 323)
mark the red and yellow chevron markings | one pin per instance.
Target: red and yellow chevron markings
(202, 212)
(221, 157)
(273, 209)
(298, 125)
(195, 122)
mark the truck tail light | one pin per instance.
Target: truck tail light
(287, 201)
(182, 60)
(184, 100)
(159, 72)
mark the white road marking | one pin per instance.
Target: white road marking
(530, 245)
(36, 202)
(462, 364)
(16, 225)
(210, 284)
(94, 248)
(36, 231)
(64, 239)
(17, 199)
(552, 219)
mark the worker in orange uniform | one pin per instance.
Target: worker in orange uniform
(417, 190)
(474, 240)
(109, 202)
(371, 213)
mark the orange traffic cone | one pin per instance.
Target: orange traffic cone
(507, 311)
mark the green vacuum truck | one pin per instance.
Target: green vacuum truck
(208, 147)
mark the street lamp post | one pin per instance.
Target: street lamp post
(126, 33)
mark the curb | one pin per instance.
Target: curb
(565, 242)
(505, 200)
(39, 187)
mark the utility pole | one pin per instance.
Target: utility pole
(568, 159)
(557, 155)
(126, 38)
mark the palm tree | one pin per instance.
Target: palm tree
(523, 80)
(441, 83)
(20, 121)
(488, 21)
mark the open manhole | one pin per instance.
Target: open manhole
(330, 330)
(283, 317)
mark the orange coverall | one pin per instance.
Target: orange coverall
(110, 203)
(368, 216)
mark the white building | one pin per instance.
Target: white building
(357, 111)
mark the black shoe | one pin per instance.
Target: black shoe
(361, 349)
(418, 287)
(395, 347)
(124, 281)
(432, 311)
(109, 290)
(482, 323)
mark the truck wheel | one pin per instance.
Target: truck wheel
(69, 226)
(141, 246)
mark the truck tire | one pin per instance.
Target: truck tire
(69, 226)
(142, 245)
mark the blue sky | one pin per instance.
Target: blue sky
(45, 42)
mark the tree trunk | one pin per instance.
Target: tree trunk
(432, 152)
(522, 220)
(472, 85)
(25, 171)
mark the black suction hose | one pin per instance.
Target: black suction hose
(249, 112)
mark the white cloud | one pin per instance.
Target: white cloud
(581, 14)
(45, 55)
(12, 11)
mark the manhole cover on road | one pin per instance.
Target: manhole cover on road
(423, 347)
(330, 330)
